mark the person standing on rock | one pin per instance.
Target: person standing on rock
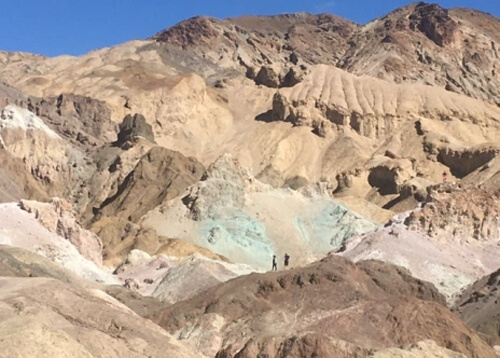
(275, 263)
(445, 176)
(287, 260)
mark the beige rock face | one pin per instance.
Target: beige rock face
(55, 165)
(58, 218)
(15, 180)
(331, 98)
(120, 236)
(465, 214)
(59, 319)
(27, 137)
(21, 229)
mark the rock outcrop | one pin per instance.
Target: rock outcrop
(479, 306)
(294, 313)
(235, 215)
(19, 228)
(134, 126)
(435, 22)
(420, 43)
(329, 99)
(85, 122)
(433, 103)
(464, 162)
(160, 175)
(61, 319)
(121, 236)
(57, 217)
(462, 213)
(49, 159)
(451, 241)
(309, 108)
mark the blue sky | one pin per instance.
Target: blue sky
(54, 27)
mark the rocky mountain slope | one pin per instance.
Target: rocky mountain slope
(479, 306)
(67, 322)
(157, 179)
(295, 314)
(235, 215)
(420, 43)
(203, 86)
(452, 240)
(75, 321)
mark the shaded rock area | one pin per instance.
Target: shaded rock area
(161, 174)
(11, 95)
(462, 163)
(84, 121)
(292, 312)
(54, 164)
(134, 126)
(267, 77)
(389, 177)
(434, 22)
(479, 306)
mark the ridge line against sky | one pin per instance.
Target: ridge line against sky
(57, 27)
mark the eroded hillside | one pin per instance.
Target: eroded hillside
(158, 178)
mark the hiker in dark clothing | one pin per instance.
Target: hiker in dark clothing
(287, 260)
(275, 263)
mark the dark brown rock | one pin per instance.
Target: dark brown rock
(160, 175)
(135, 126)
(479, 306)
(267, 77)
(434, 22)
(85, 122)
